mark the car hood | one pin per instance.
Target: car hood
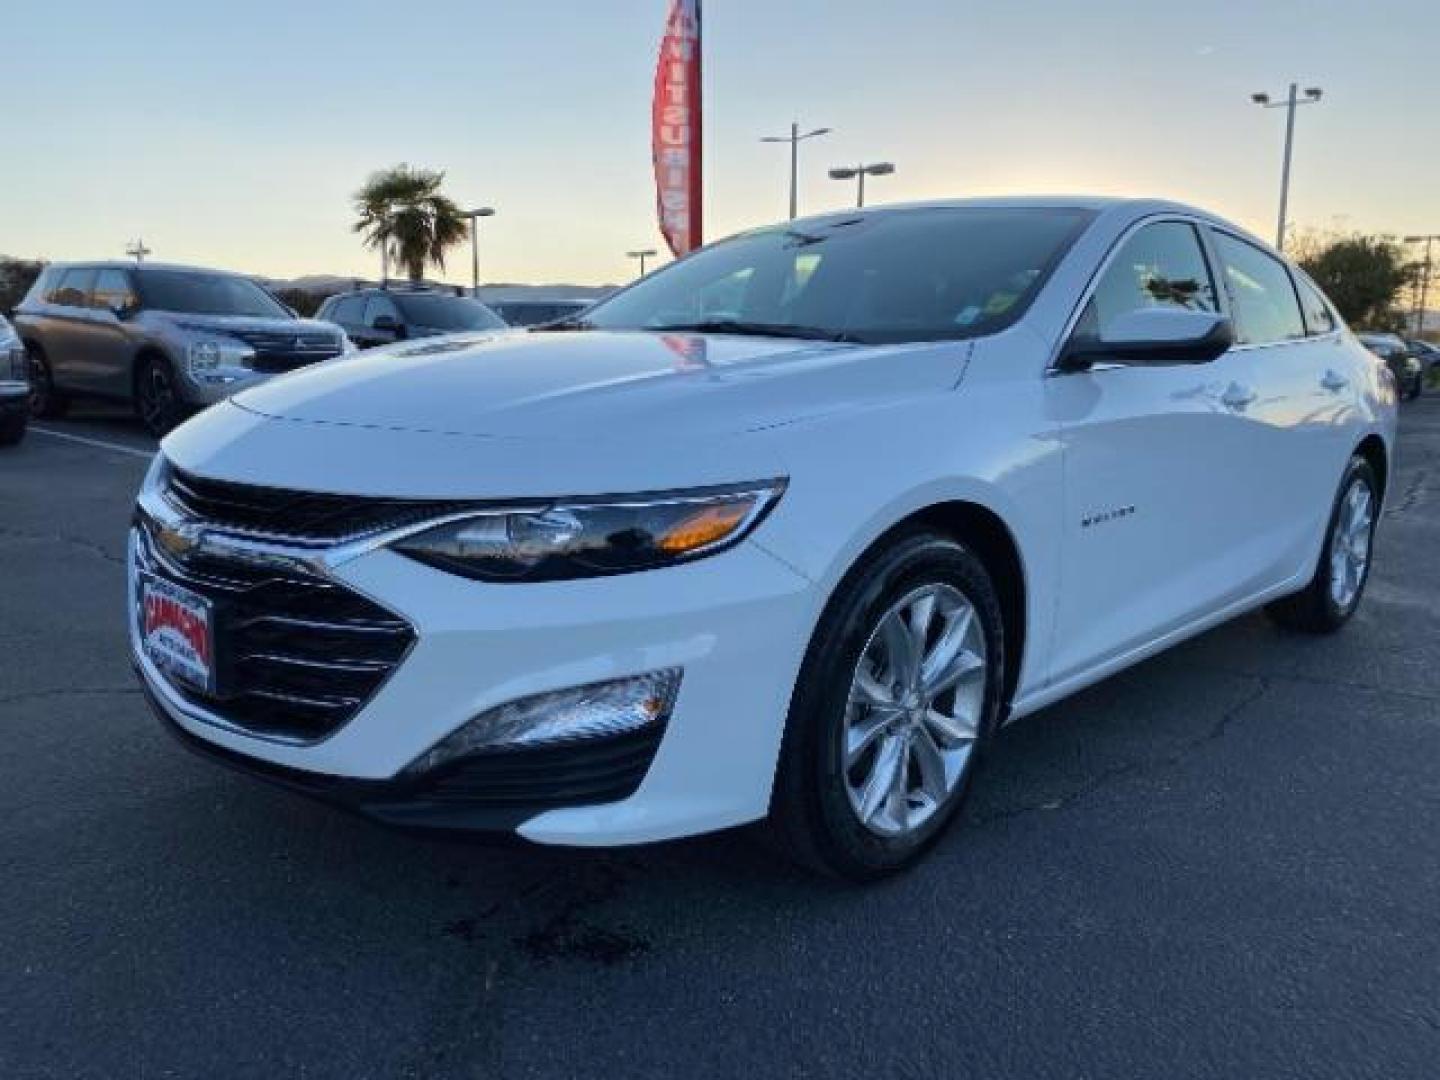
(598, 385)
(222, 324)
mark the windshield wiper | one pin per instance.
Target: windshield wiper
(571, 323)
(756, 329)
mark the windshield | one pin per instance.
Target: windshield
(886, 276)
(207, 294)
(448, 313)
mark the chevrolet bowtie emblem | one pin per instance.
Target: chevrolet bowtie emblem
(178, 541)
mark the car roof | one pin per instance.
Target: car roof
(1127, 206)
(130, 264)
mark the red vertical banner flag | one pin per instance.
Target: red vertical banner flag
(675, 128)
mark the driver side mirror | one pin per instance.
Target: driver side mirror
(123, 309)
(1152, 336)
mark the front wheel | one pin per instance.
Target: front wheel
(157, 398)
(899, 691)
(1333, 594)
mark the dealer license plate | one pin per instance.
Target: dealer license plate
(176, 630)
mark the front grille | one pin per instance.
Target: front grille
(296, 657)
(279, 351)
(295, 514)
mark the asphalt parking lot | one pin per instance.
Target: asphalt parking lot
(1222, 863)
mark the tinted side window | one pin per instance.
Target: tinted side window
(1318, 317)
(74, 288)
(1261, 292)
(380, 305)
(348, 309)
(112, 290)
(1161, 265)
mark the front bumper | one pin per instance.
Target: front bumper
(736, 625)
(14, 397)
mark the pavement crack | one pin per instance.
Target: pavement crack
(88, 546)
(1414, 494)
(64, 692)
(1118, 773)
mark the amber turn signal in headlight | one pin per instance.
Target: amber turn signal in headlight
(592, 539)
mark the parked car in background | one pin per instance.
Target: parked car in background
(391, 313)
(1426, 352)
(14, 386)
(538, 312)
(1409, 372)
(168, 339)
(796, 550)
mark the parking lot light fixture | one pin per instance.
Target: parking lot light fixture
(647, 253)
(858, 173)
(1292, 99)
(795, 138)
(475, 216)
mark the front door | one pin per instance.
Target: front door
(1155, 465)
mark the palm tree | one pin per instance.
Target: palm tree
(402, 210)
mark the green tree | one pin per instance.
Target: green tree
(403, 211)
(16, 277)
(1365, 276)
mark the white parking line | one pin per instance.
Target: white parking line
(119, 448)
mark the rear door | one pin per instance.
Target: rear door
(1155, 466)
(67, 325)
(1304, 406)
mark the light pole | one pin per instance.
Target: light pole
(648, 253)
(138, 251)
(1312, 96)
(475, 216)
(879, 168)
(794, 139)
(1422, 301)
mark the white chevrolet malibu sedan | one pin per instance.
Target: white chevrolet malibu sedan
(785, 531)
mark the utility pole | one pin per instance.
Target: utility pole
(648, 253)
(1422, 298)
(475, 216)
(859, 172)
(1312, 96)
(794, 139)
(137, 251)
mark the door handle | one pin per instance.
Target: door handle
(1237, 396)
(1333, 380)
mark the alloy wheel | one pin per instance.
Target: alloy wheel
(914, 710)
(1350, 545)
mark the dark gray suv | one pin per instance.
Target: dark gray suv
(170, 339)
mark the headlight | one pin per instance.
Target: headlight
(14, 363)
(218, 360)
(347, 347)
(591, 539)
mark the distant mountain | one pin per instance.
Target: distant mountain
(496, 292)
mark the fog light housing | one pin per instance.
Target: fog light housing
(595, 711)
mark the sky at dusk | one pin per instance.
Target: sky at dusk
(233, 134)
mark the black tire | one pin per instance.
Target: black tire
(12, 428)
(811, 816)
(46, 402)
(1416, 387)
(1315, 609)
(157, 396)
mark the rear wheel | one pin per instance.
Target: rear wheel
(46, 402)
(157, 398)
(1333, 594)
(898, 694)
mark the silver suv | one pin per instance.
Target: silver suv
(13, 386)
(169, 339)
